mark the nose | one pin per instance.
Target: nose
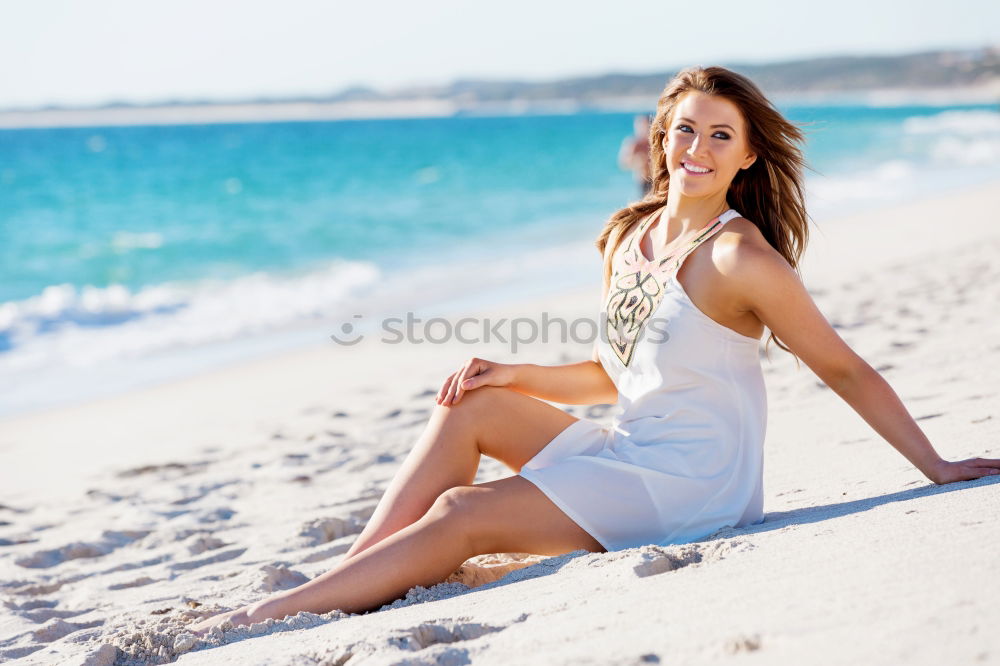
(696, 145)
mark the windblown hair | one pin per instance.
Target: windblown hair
(769, 193)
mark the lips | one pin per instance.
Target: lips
(685, 163)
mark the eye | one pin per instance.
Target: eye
(725, 135)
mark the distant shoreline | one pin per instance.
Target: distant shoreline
(299, 111)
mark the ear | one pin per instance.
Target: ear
(751, 158)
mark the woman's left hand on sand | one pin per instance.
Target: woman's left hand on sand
(964, 470)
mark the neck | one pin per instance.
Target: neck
(684, 217)
(685, 214)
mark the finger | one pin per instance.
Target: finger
(475, 381)
(449, 394)
(455, 381)
(470, 371)
(470, 383)
(444, 388)
(973, 471)
(448, 384)
(987, 466)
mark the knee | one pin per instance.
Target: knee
(476, 402)
(455, 508)
(453, 504)
(484, 395)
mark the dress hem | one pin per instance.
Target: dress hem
(575, 516)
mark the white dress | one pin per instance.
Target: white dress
(684, 455)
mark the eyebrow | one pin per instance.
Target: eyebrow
(691, 121)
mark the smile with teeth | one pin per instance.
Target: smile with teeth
(690, 168)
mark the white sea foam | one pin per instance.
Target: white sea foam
(957, 138)
(67, 325)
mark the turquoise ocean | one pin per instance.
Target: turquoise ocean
(130, 255)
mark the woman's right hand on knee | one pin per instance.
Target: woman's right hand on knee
(474, 373)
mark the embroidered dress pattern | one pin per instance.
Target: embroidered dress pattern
(638, 286)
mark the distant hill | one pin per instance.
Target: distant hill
(929, 77)
(930, 69)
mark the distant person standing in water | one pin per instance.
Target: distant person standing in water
(634, 154)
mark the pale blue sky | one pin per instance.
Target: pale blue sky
(94, 51)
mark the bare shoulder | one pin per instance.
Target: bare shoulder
(741, 234)
(747, 260)
(741, 247)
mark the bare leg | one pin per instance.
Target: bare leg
(508, 515)
(501, 423)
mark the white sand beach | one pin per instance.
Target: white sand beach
(123, 519)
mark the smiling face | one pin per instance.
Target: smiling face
(705, 144)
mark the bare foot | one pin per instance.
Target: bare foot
(236, 617)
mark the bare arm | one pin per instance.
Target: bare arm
(867, 392)
(773, 291)
(583, 383)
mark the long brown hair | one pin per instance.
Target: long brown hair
(769, 193)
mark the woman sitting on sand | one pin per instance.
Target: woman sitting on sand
(703, 263)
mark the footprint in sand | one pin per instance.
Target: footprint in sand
(55, 629)
(111, 540)
(279, 577)
(30, 605)
(44, 614)
(215, 515)
(218, 557)
(658, 559)
(323, 530)
(201, 543)
(427, 634)
(137, 582)
(31, 589)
